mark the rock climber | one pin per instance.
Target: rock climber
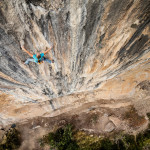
(39, 58)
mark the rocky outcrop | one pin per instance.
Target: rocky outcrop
(98, 45)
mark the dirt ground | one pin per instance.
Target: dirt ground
(102, 118)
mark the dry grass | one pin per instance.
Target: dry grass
(133, 118)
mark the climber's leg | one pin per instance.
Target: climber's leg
(47, 60)
(28, 60)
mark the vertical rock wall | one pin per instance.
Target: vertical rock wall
(98, 44)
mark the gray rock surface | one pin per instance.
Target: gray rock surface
(109, 127)
(98, 44)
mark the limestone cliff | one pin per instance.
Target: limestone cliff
(100, 48)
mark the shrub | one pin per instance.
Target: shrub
(66, 139)
(11, 140)
(61, 139)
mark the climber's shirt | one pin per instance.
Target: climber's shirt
(36, 59)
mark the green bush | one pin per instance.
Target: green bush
(61, 139)
(143, 139)
(107, 144)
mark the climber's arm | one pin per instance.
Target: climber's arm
(48, 50)
(27, 51)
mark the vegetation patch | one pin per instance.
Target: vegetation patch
(11, 140)
(133, 118)
(62, 139)
(67, 138)
(94, 118)
(92, 142)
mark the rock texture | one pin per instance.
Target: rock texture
(99, 45)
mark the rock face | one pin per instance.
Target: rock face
(97, 45)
